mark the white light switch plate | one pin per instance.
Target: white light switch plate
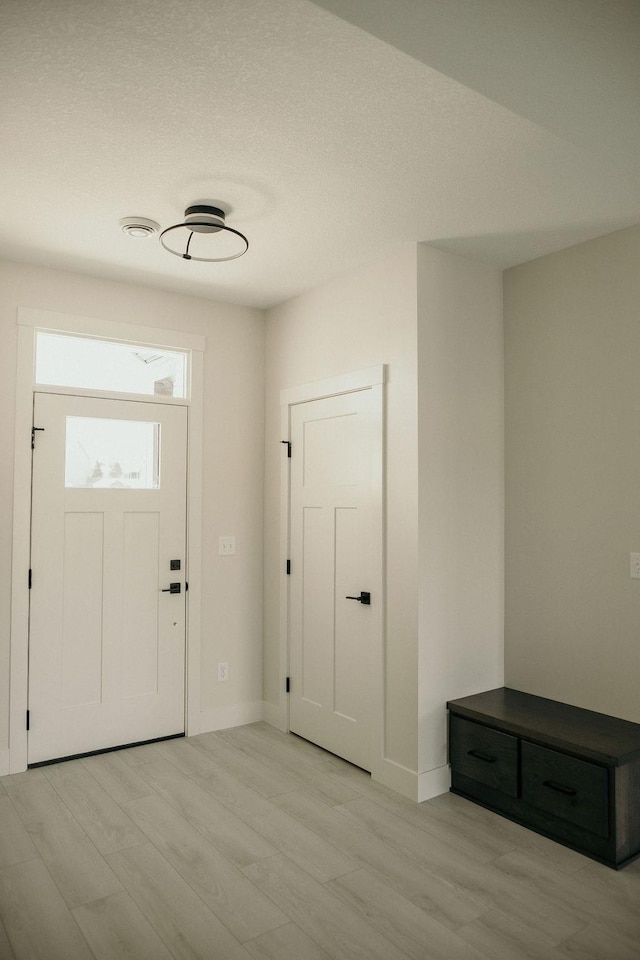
(635, 566)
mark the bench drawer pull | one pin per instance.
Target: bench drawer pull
(568, 791)
(482, 756)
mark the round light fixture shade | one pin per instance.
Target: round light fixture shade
(204, 236)
(139, 227)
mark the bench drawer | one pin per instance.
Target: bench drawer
(573, 790)
(484, 755)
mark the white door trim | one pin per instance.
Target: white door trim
(109, 329)
(28, 320)
(372, 379)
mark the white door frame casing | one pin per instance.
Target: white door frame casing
(372, 379)
(29, 321)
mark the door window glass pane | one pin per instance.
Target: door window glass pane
(112, 453)
(89, 364)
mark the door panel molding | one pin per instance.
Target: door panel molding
(373, 379)
(28, 320)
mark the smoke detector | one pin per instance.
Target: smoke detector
(139, 227)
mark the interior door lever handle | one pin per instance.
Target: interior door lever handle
(364, 598)
(172, 588)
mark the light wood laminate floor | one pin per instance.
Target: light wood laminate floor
(250, 843)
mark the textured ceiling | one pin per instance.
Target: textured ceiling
(503, 136)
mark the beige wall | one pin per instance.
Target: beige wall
(233, 459)
(572, 347)
(358, 321)
(461, 517)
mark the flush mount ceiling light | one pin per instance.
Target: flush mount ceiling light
(139, 227)
(204, 235)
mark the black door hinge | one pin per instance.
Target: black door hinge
(288, 567)
(287, 685)
(29, 579)
(33, 436)
(27, 719)
(288, 443)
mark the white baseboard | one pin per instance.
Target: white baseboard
(396, 777)
(273, 715)
(415, 786)
(433, 783)
(220, 718)
(4, 763)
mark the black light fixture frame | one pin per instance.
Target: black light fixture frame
(214, 227)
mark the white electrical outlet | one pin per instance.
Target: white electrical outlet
(635, 566)
(226, 546)
(223, 672)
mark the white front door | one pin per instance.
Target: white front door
(106, 644)
(335, 565)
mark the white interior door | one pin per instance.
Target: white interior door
(106, 644)
(335, 556)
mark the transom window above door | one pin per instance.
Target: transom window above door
(88, 363)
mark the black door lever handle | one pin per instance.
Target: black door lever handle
(172, 588)
(364, 598)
